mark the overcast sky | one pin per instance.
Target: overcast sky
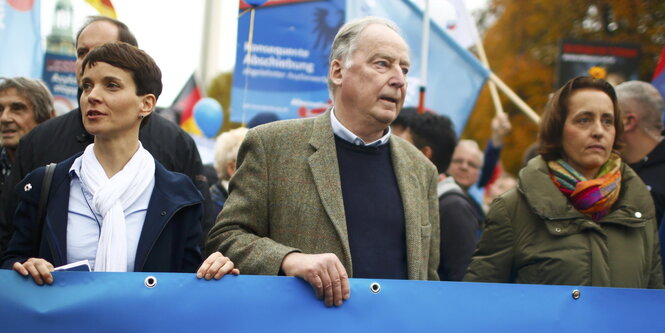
(171, 32)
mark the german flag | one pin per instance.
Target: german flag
(184, 105)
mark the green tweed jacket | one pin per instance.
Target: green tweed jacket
(286, 196)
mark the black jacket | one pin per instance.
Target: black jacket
(61, 137)
(168, 241)
(460, 230)
(651, 170)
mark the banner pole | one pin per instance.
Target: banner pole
(249, 62)
(424, 52)
(492, 86)
(514, 98)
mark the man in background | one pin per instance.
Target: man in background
(24, 103)
(471, 166)
(644, 148)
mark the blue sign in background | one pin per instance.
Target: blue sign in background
(288, 68)
(60, 78)
(121, 302)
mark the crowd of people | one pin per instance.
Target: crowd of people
(368, 189)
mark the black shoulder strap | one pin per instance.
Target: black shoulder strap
(43, 203)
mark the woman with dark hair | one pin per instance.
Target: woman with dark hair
(579, 216)
(113, 205)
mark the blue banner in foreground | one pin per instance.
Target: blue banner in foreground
(122, 302)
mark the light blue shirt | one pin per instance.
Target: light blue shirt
(348, 136)
(84, 226)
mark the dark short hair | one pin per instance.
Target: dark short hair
(35, 92)
(124, 35)
(550, 138)
(143, 69)
(404, 117)
(437, 132)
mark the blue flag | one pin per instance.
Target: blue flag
(20, 39)
(455, 77)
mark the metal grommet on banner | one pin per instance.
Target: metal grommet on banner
(150, 281)
(375, 287)
(576, 294)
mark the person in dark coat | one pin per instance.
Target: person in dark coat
(61, 137)
(644, 147)
(435, 137)
(113, 205)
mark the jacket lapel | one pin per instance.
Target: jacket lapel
(160, 209)
(56, 220)
(408, 188)
(325, 171)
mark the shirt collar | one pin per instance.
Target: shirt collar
(75, 169)
(348, 136)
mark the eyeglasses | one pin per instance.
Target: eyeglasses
(469, 164)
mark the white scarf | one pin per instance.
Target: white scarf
(110, 197)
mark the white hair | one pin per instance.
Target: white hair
(473, 145)
(345, 41)
(647, 101)
(226, 149)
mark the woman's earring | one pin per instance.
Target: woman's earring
(141, 116)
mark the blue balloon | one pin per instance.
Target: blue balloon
(208, 116)
(255, 3)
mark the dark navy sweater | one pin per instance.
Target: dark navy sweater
(374, 211)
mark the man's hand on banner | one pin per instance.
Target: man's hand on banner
(216, 266)
(324, 272)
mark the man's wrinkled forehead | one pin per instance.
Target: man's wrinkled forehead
(13, 92)
(97, 34)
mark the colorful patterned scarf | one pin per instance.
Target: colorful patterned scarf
(591, 197)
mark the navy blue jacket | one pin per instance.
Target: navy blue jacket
(168, 241)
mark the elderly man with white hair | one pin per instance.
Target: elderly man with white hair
(337, 196)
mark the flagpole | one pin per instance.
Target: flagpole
(210, 43)
(250, 39)
(495, 82)
(424, 51)
(514, 98)
(493, 92)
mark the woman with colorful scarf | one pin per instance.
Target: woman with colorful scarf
(579, 215)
